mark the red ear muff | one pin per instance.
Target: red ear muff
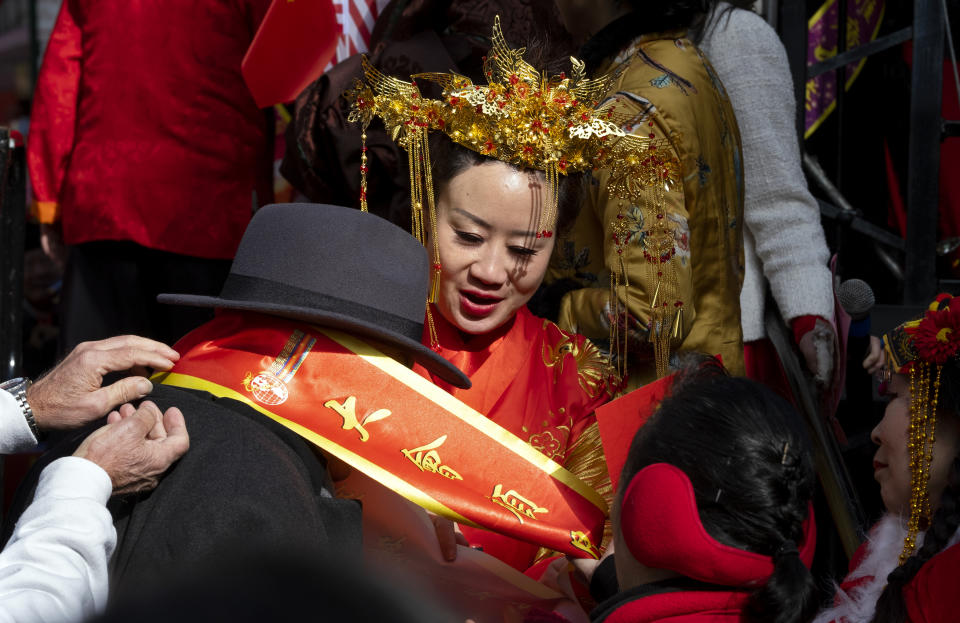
(661, 527)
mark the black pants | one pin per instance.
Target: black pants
(111, 287)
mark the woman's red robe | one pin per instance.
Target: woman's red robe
(541, 384)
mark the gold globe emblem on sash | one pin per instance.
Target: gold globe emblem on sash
(269, 387)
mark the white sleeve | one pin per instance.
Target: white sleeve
(15, 434)
(779, 211)
(55, 566)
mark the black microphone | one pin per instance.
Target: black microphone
(857, 299)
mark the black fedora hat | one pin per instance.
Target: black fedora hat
(337, 267)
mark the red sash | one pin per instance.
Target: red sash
(393, 425)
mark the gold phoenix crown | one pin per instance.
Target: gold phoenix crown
(521, 116)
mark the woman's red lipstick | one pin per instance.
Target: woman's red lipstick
(478, 304)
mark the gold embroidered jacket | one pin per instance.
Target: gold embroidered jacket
(674, 258)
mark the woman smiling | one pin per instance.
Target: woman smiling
(492, 260)
(494, 184)
(533, 379)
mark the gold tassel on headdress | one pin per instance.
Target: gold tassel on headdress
(644, 181)
(920, 348)
(924, 379)
(363, 171)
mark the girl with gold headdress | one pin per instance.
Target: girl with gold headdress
(494, 174)
(908, 568)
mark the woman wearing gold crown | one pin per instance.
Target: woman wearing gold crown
(657, 268)
(489, 195)
(908, 568)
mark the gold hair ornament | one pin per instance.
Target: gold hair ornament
(924, 379)
(920, 348)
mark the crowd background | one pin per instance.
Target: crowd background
(860, 140)
(857, 143)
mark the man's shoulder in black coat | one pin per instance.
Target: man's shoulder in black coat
(245, 482)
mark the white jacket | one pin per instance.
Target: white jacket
(54, 567)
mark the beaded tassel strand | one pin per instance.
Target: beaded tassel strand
(363, 171)
(921, 436)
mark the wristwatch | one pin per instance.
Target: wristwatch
(18, 389)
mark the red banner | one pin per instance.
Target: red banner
(620, 419)
(393, 425)
(295, 41)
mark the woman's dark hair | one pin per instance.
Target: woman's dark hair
(450, 159)
(717, 13)
(647, 16)
(891, 607)
(747, 456)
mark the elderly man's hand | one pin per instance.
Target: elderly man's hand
(71, 395)
(137, 445)
(818, 348)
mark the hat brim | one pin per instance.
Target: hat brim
(423, 355)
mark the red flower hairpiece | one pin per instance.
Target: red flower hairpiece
(936, 337)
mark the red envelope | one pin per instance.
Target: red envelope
(295, 41)
(619, 421)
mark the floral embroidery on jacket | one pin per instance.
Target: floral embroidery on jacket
(661, 82)
(589, 362)
(703, 171)
(633, 224)
(681, 237)
(548, 444)
(638, 333)
(686, 87)
(552, 440)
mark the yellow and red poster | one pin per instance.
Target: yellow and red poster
(863, 23)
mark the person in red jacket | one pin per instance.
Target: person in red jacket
(147, 155)
(907, 570)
